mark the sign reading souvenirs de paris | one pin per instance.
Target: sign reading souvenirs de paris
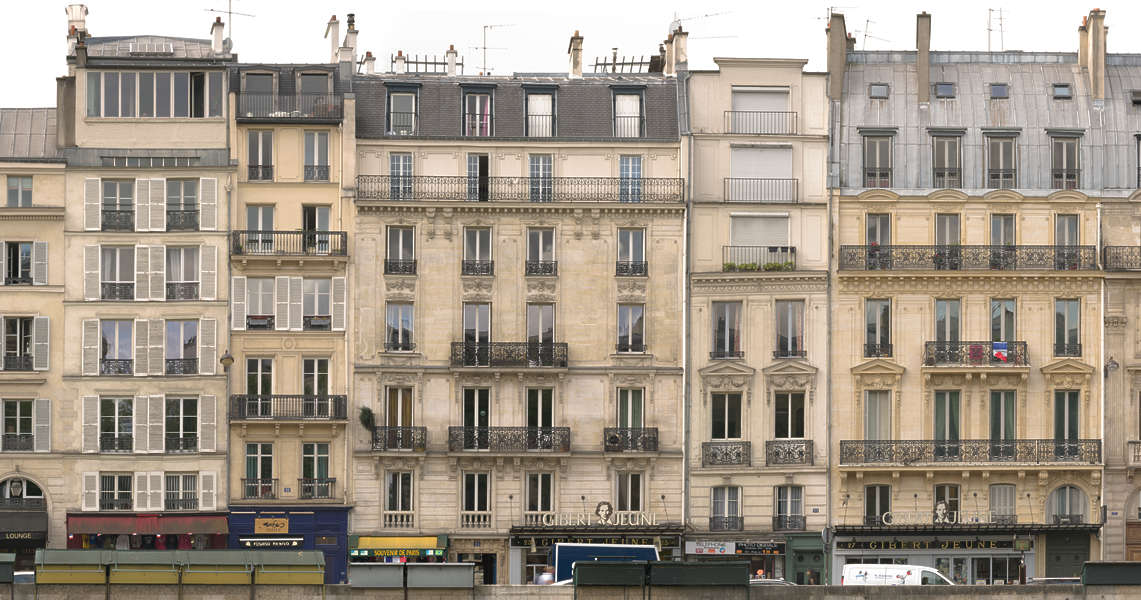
(604, 516)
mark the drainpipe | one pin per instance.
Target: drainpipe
(683, 118)
(1104, 382)
(833, 116)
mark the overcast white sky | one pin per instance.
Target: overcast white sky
(534, 35)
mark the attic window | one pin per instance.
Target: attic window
(944, 90)
(999, 91)
(878, 90)
(1136, 94)
(151, 48)
(1063, 91)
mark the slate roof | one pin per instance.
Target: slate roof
(28, 133)
(120, 47)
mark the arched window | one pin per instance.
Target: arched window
(18, 487)
(1067, 504)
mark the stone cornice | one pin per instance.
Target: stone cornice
(759, 282)
(32, 213)
(1013, 282)
(499, 208)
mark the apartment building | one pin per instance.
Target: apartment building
(142, 125)
(33, 495)
(967, 420)
(518, 316)
(758, 314)
(289, 269)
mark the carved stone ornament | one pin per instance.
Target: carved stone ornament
(727, 376)
(400, 284)
(1116, 321)
(476, 289)
(631, 290)
(790, 376)
(541, 290)
(997, 283)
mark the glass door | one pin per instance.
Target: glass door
(1066, 242)
(948, 255)
(540, 419)
(316, 219)
(1002, 242)
(947, 425)
(1066, 424)
(540, 335)
(477, 335)
(1002, 441)
(477, 416)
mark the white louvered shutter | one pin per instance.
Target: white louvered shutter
(296, 306)
(142, 348)
(158, 205)
(158, 273)
(91, 273)
(142, 205)
(3, 258)
(207, 423)
(208, 490)
(142, 497)
(207, 346)
(156, 342)
(208, 271)
(339, 293)
(41, 343)
(92, 204)
(208, 203)
(156, 425)
(39, 263)
(281, 302)
(90, 491)
(142, 423)
(142, 273)
(91, 341)
(238, 303)
(157, 486)
(42, 427)
(90, 423)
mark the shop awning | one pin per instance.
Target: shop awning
(24, 522)
(380, 545)
(147, 524)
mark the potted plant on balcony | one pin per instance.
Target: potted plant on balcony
(729, 267)
(367, 418)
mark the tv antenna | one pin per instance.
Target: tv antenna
(867, 26)
(485, 48)
(991, 22)
(229, 15)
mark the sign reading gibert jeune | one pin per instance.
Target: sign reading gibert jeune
(604, 516)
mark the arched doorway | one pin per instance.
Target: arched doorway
(23, 519)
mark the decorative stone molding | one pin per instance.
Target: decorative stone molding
(727, 376)
(541, 290)
(476, 289)
(761, 282)
(1116, 321)
(632, 290)
(790, 375)
(981, 282)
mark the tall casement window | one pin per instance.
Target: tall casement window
(398, 412)
(946, 425)
(1065, 174)
(17, 344)
(116, 424)
(1002, 503)
(877, 161)
(540, 415)
(877, 327)
(877, 501)
(1067, 255)
(401, 257)
(629, 491)
(946, 503)
(19, 191)
(260, 218)
(17, 262)
(790, 329)
(477, 334)
(399, 497)
(1067, 505)
(400, 175)
(181, 424)
(725, 513)
(259, 303)
(118, 205)
(478, 177)
(118, 272)
(181, 347)
(1003, 242)
(260, 155)
(541, 182)
(1066, 423)
(181, 491)
(259, 387)
(1002, 320)
(402, 113)
(316, 308)
(259, 481)
(725, 416)
(476, 492)
(631, 252)
(541, 251)
(877, 234)
(540, 333)
(948, 255)
(947, 160)
(477, 251)
(1002, 424)
(1001, 165)
(315, 481)
(789, 419)
(630, 178)
(627, 115)
(115, 491)
(788, 507)
(1067, 341)
(182, 204)
(115, 357)
(477, 417)
(726, 330)
(540, 114)
(877, 415)
(947, 322)
(315, 386)
(398, 324)
(630, 414)
(477, 114)
(631, 328)
(540, 494)
(316, 156)
(18, 433)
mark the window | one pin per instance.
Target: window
(181, 347)
(477, 416)
(947, 234)
(18, 433)
(631, 252)
(629, 178)
(878, 231)
(315, 386)
(115, 349)
(477, 251)
(402, 113)
(401, 258)
(877, 324)
(629, 491)
(115, 491)
(540, 492)
(541, 251)
(1002, 320)
(260, 156)
(789, 415)
(399, 327)
(477, 334)
(877, 501)
(540, 115)
(540, 332)
(118, 205)
(1067, 341)
(877, 161)
(540, 181)
(1001, 168)
(726, 508)
(878, 91)
(476, 492)
(477, 115)
(315, 304)
(760, 173)
(999, 91)
(399, 484)
(182, 273)
(946, 504)
(259, 481)
(478, 177)
(399, 413)
(631, 328)
(1068, 505)
(1002, 504)
(158, 94)
(181, 424)
(1063, 91)
(400, 175)
(181, 491)
(313, 84)
(947, 159)
(1066, 421)
(788, 512)
(19, 191)
(726, 330)
(259, 387)
(259, 218)
(944, 90)
(17, 343)
(259, 84)
(259, 303)
(18, 263)
(725, 417)
(1002, 423)
(627, 115)
(315, 481)
(1065, 173)
(760, 110)
(317, 155)
(182, 204)
(790, 329)
(630, 408)
(18, 487)
(946, 425)
(116, 424)
(118, 272)
(877, 415)
(947, 320)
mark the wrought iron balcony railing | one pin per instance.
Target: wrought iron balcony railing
(260, 489)
(724, 353)
(18, 363)
(788, 452)
(316, 172)
(948, 177)
(288, 407)
(117, 291)
(714, 454)
(461, 188)
(1001, 179)
(796, 351)
(399, 346)
(182, 366)
(760, 122)
(259, 173)
(1065, 179)
(975, 354)
(320, 488)
(181, 220)
(399, 267)
(542, 267)
(182, 443)
(477, 267)
(18, 442)
(478, 125)
(116, 366)
(107, 501)
(968, 258)
(176, 502)
(260, 322)
(626, 268)
(18, 280)
(1069, 519)
(630, 347)
(966, 452)
(630, 439)
(182, 290)
(116, 442)
(726, 523)
(877, 177)
(509, 439)
(289, 243)
(22, 504)
(268, 108)
(1067, 349)
(758, 258)
(412, 439)
(317, 322)
(509, 354)
(399, 519)
(788, 523)
(754, 189)
(118, 220)
(877, 350)
(1121, 258)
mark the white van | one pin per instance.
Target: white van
(891, 575)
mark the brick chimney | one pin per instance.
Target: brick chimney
(369, 63)
(216, 31)
(575, 52)
(401, 66)
(333, 33)
(923, 55)
(838, 47)
(1096, 32)
(450, 57)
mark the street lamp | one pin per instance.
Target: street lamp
(226, 360)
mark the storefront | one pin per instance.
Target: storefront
(150, 531)
(321, 528)
(23, 520)
(397, 549)
(766, 557)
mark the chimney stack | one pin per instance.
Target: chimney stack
(401, 67)
(333, 33)
(450, 56)
(839, 44)
(216, 30)
(369, 63)
(351, 38)
(1095, 55)
(681, 48)
(1083, 44)
(77, 17)
(668, 66)
(923, 55)
(575, 52)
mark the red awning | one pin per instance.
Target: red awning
(147, 524)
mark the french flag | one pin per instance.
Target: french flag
(999, 350)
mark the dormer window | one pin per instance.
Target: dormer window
(944, 90)
(402, 113)
(314, 83)
(999, 91)
(878, 91)
(259, 83)
(1063, 91)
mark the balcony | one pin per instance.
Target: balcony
(540, 125)
(630, 347)
(18, 442)
(478, 125)
(877, 178)
(789, 353)
(726, 523)
(276, 108)
(317, 322)
(968, 452)
(475, 519)
(976, 354)
(23, 504)
(182, 290)
(18, 363)
(259, 173)
(289, 243)
(630, 439)
(288, 407)
(509, 354)
(629, 126)
(478, 267)
(788, 523)
(316, 172)
(399, 346)
(176, 502)
(752, 189)
(118, 220)
(181, 366)
(1001, 179)
(760, 122)
(968, 258)
(951, 177)
(509, 439)
(626, 268)
(18, 280)
(461, 188)
(399, 519)
(320, 488)
(717, 454)
(180, 444)
(108, 501)
(1121, 258)
(407, 439)
(182, 220)
(401, 123)
(260, 322)
(117, 291)
(116, 366)
(722, 354)
(399, 267)
(877, 350)
(116, 442)
(1068, 350)
(748, 259)
(788, 452)
(1065, 179)
(1134, 455)
(549, 268)
(259, 489)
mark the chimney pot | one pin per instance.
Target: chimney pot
(352, 21)
(575, 52)
(401, 65)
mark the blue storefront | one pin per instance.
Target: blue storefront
(323, 528)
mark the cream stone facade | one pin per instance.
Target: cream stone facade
(758, 322)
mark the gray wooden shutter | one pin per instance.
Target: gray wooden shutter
(41, 343)
(142, 273)
(158, 273)
(156, 425)
(156, 341)
(157, 486)
(90, 423)
(39, 263)
(339, 294)
(4, 258)
(158, 205)
(90, 347)
(42, 413)
(91, 273)
(208, 271)
(90, 490)
(238, 303)
(207, 345)
(142, 351)
(207, 423)
(208, 492)
(142, 496)
(208, 203)
(142, 421)
(92, 205)
(296, 306)
(142, 204)
(281, 302)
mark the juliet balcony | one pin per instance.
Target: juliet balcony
(726, 453)
(760, 122)
(746, 259)
(288, 407)
(461, 188)
(968, 258)
(399, 439)
(970, 452)
(297, 108)
(509, 354)
(976, 354)
(630, 439)
(288, 243)
(509, 439)
(1121, 258)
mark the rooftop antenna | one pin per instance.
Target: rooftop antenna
(991, 21)
(677, 20)
(485, 48)
(867, 26)
(230, 15)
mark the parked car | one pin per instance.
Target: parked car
(876, 574)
